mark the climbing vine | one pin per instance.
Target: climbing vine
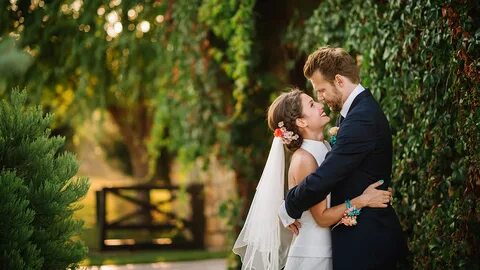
(422, 62)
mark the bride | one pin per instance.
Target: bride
(298, 123)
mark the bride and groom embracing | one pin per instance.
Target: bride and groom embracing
(338, 207)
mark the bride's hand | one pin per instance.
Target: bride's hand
(376, 198)
(295, 227)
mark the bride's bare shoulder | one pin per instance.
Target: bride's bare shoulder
(301, 155)
(302, 164)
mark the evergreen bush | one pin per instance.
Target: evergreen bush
(40, 192)
(17, 251)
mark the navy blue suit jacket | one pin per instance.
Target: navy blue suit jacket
(361, 156)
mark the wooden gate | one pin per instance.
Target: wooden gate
(159, 224)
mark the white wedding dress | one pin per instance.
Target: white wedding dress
(312, 247)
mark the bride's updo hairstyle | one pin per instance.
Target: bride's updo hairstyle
(287, 108)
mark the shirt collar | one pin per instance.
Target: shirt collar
(346, 106)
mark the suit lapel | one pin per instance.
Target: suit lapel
(357, 99)
(339, 120)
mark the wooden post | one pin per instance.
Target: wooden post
(101, 218)
(198, 215)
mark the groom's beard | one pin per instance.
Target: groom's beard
(336, 103)
(336, 106)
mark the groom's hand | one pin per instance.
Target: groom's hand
(376, 197)
(295, 227)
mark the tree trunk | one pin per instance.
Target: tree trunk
(135, 125)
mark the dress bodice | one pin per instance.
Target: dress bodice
(313, 240)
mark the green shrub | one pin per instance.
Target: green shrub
(42, 193)
(17, 251)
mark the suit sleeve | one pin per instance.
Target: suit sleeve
(355, 140)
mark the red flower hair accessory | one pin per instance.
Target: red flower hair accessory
(286, 135)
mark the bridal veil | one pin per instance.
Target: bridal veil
(263, 242)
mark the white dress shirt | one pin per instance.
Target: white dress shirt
(348, 103)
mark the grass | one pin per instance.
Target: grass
(97, 257)
(150, 256)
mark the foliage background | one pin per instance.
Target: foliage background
(199, 80)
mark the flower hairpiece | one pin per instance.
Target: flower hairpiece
(286, 135)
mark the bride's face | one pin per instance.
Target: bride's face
(314, 116)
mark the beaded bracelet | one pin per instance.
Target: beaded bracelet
(349, 216)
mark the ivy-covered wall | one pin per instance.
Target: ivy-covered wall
(421, 59)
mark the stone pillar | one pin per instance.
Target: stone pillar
(219, 185)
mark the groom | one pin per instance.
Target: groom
(361, 155)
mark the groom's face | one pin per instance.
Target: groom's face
(326, 91)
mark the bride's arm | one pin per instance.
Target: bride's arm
(371, 197)
(303, 164)
(326, 217)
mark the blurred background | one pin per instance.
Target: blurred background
(172, 96)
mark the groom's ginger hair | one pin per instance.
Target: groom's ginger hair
(330, 62)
